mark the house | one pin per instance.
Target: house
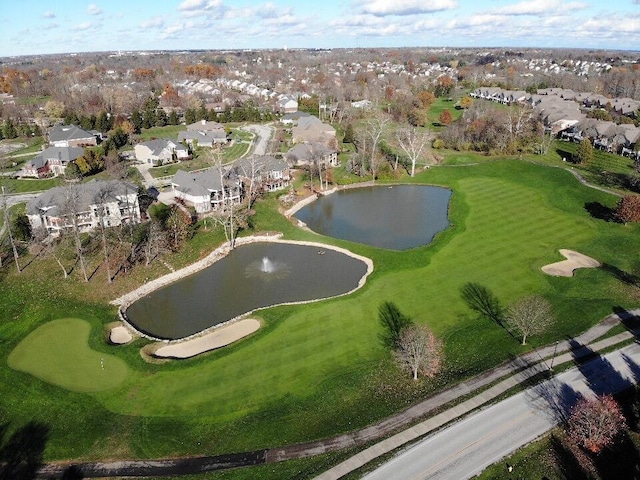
(158, 152)
(205, 126)
(311, 129)
(207, 190)
(311, 153)
(294, 117)
(71, 136)
(87, 204)
(287, 105)
(207, 138)
(270, 173)
(52, 161)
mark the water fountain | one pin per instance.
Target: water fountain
(249, 277)
(267, 265)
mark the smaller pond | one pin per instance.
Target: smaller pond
(252, 276)
(396, 218)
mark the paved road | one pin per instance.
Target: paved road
(263, 135)
(466, 448)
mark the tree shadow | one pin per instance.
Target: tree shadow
(600, 211)
(621, 460)
(482, 301)
(567, 459)
(21, 455)
(624, 277)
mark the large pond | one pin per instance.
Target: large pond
(395, 218)
(252, 276)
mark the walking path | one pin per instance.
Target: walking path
(518, 371)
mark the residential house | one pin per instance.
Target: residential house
(294, 117)
(113, 202)
(207, 190)
(311, 153)
(311, 129)
(71, 136)
(52, 161)
(160, 151)
(207, 138)
(206, 126)
(362, 104)
(268, 172)
(287, 104)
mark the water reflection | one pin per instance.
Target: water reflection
(396, 218)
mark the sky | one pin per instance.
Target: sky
(66, 26)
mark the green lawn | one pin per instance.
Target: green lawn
(313, 371)
(57, 352)
(169, 132)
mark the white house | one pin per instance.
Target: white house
(206, 190)
(160, 151)
(71, 136)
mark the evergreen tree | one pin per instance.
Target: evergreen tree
(584, 154)
(173, 118)
(9, 129)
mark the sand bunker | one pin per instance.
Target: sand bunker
(574, 260)
(120, 335)
(217, 338)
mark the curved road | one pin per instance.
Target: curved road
(467, 447)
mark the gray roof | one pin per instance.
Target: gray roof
(68, 132)
(53, 200)
(305, 152)
(197, 183)
(158, 145)
(65, 154)
(259, 164)
(202, 136)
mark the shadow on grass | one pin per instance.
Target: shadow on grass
(599, 211)
(21, 455)
(624, 277)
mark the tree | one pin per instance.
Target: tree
(9, 228)
(529, 316)
(373, 132)
(71, 210)
(594, 423)
(419, 351)
(178, 224)
(9, 129)
(444, 86)
(628, 209)
(466, 102)
(349, 134)
(54, 109)
(103, 196)
(393, 322)
(445, 117)
(412, 143)
(584, 153)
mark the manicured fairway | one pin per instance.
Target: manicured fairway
(58, 353)
(314, 370)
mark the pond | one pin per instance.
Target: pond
(252, 276)
(395, 217)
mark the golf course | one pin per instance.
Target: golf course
(313, 371)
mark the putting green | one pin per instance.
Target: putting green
(58, 353)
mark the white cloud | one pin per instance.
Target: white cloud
(540, 7)
(49, 15)
(50, 26)
(93, 9)
(84, 26)
(155, 22)
(189, 5)
(406, 7)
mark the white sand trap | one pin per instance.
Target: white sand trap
(218, 338)
(574, 260)
(120, 335)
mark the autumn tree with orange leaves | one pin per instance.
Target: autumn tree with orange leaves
(595, 423)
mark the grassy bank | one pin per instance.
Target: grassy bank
(317, 370)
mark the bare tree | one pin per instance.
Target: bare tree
(154, 241)
(8, 227)
(373, 132)
(529, 316)
(419, 351)
(101, 198)
(71, 210)
(178, 226)
(412, 143)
